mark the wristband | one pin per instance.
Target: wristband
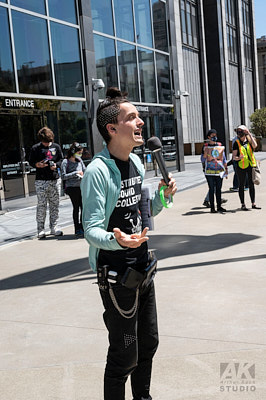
(164, 203)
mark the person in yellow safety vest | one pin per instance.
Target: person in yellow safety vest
(243, 149)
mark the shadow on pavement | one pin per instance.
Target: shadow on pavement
(165, 246)
(69, 271)
(214, 262)
(205, 210)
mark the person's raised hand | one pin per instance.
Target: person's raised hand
(133, 241)
(171, 188)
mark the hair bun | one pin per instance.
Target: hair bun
(114, 92)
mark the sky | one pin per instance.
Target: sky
(260, 17)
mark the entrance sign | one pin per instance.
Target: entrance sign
(17, 103)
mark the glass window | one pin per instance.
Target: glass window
(73, 127)
(183, 23)
(66, 54)
(189, 25)
(147, 76)
(124, 19)
(32, 54)
(143, 22)
(105, 62)
(159, 25)
(7, 80)
(32, 5)
(194, 26)
(246, 17)
(163, 78)
(230, 11)
(66, 13)
(102, 16)
(128, 70)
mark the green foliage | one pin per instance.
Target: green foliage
(258, 119)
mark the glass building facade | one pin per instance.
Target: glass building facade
(131, 45)
(51, 51)
(41, 83)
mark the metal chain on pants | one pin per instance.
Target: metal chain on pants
(124, 313)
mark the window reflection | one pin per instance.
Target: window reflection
(102, 17)
(32, 5)
(7, 80)
(32, 54)
(147, 76)
(128, 70)
(67, 64)
(105, 62)
(159, 25)
(143, 22)
(124, 19)
(163, 78)
(189, 23)
(73, 127)
(66, 13)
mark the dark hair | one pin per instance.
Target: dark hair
(109, 110)
(74, 148)
(45, 135)
(210, 131)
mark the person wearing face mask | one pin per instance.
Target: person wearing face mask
(72, 170)
(243, 154)
(215, 168)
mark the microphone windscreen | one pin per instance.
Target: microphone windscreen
(154, 143)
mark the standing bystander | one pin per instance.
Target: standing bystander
(46, 157)
(243, 154)
(215, 168)
(72, 170)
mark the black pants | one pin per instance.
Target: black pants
(132, 342)
(75, 196)
(215, 182)
(242, 174)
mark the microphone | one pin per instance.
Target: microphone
(154, 144)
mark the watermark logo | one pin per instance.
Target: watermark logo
(237, 377)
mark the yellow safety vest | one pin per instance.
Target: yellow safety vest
(249, 158)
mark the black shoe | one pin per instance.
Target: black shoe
(224, 201)
(244, 208)
(206, 204)
(221, 209)
(256, 207)
(213, 211)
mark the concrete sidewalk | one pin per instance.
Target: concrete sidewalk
(211, 305)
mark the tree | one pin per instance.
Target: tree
(258, 119)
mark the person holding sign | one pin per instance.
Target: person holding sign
(214, 160)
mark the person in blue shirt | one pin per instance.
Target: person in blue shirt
(111, 194)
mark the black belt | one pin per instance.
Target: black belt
(131, 279)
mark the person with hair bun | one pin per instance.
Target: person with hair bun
(111, 194)
(72, 170)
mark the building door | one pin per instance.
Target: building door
(17, 134)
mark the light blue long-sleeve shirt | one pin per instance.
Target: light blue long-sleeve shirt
(100, 188)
